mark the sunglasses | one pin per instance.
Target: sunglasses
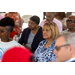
(70, 21)
(58, 47)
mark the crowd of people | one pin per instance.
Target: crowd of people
(51, 40)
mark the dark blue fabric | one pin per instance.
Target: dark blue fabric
(73, 61)
(38, 37)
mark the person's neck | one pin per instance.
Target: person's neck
(34, 31)
(5, 40)
(49, 40)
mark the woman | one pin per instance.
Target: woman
(61, 16)
(44, 52)
(6, 27)
(32, 35)
(17, 19)
(71, 23)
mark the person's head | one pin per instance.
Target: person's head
(60, 15)
(6, 27)
(17, 54)
(11, 12)
(50, 16)
(33, 22)
(50, 31)
(65, 47)
(71, 22)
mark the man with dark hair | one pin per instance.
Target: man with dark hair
(50, 18)
(32, 35)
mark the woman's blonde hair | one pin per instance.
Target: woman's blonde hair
(54, 29)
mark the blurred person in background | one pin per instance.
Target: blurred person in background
(6, 27)
(32, 35)
(2, 13)
(17, 54)
(44, 51)
(61, 16)
(1, 16)
(18, 24)
(71, 23)
(65, 47)
(68, 14)
(50, 17)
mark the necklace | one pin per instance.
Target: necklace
(49, 43)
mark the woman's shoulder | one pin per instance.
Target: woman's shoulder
(43, 42)
(26, 29)
(14, 42)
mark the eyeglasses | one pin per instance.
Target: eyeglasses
(58, 47)
(31, 23)
(70, 21)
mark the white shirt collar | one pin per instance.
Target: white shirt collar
(70, 60)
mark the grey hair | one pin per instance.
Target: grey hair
(69, 38)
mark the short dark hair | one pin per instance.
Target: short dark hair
(7, 21)
(36, 19)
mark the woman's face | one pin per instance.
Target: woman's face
(46, 32)
(70, 23)
(4, 32)
(32, 25)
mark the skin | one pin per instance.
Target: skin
(4, 33)
(33, 26)
(49, 17)
(71, 26)
(47, 35)
(65, 52)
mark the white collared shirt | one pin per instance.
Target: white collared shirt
(70, 60)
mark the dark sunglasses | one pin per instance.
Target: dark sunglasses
(70, 21)
(58, 47)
